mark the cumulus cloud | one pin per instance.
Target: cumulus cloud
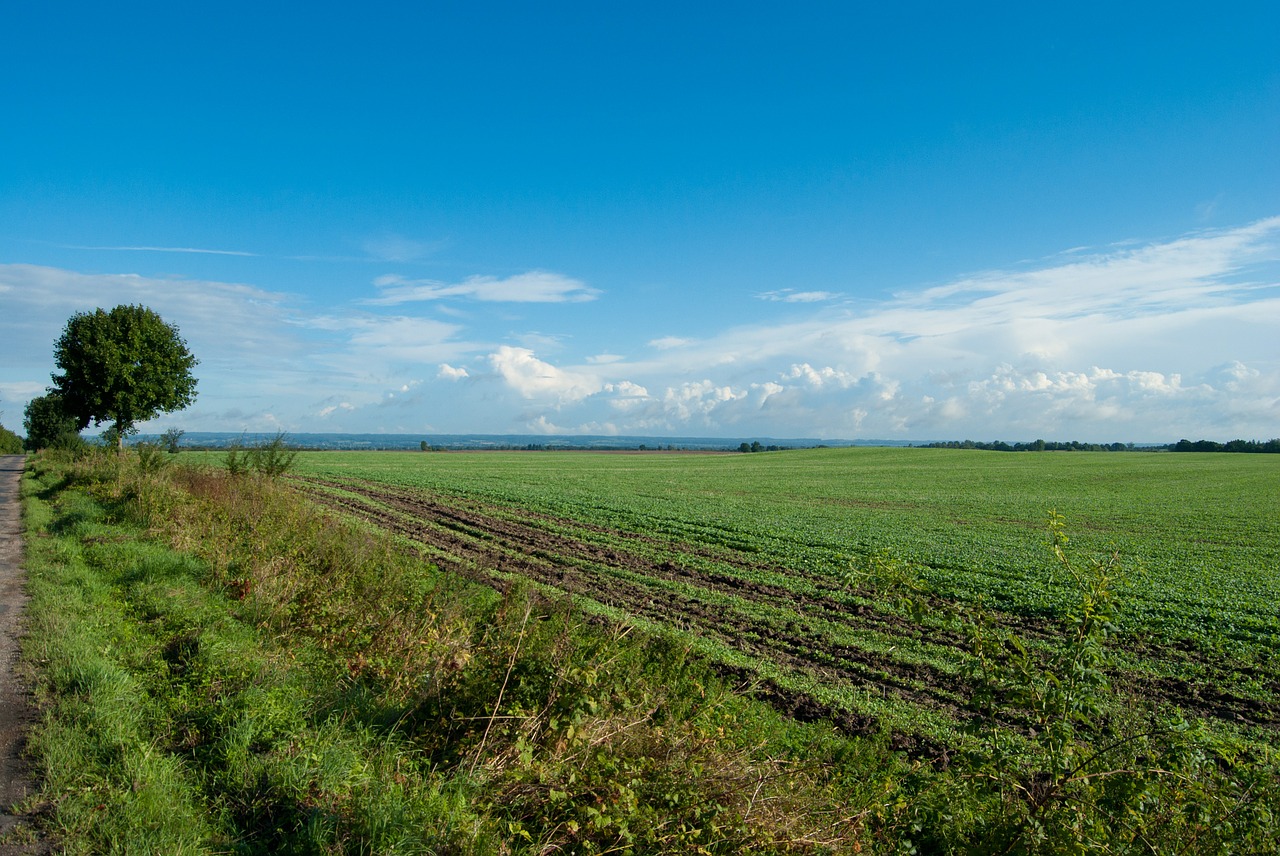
(1234, 375)
(1130, 342)
(333, 408)
(1132, 339)
(533, 378)
(698, 400)
(823, 377)
(626, 396)
(1103, 339)
(532, 287)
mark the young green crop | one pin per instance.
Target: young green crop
(1203, 527)
(1199, 531)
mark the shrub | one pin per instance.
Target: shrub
(270, 458)
(273, 457)
(151, 457)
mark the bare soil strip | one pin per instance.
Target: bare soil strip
(669, 583)
(16, 710)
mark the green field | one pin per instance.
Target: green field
(759, 558)
(810, 652)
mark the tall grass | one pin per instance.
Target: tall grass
(226, 669)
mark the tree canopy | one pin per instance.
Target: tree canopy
(122, 367)
(47, 422)
(10, 443)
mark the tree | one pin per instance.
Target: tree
(47, 422)
(123, 367)
(171, 439)
(10, 443)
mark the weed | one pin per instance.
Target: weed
(151, 457)
(1062, 764)
(272, 457)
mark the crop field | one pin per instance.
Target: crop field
(767, 563)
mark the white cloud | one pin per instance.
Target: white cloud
(399, 338)
(532, 287)
(535, 341)
(196, 250)
(768, 390)
(397, 248)
(667, 343)
(697, 401)
(543, 425)
(229, 326)
(1152, 316)
(533, 378)
(1234, 375)
(1123, 344)
(787, 295)
(1134, 342)
(627, 396)
(819, 378)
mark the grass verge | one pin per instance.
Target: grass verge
(223, 669)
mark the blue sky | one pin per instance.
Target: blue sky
(834, 220)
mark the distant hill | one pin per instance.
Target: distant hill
(221, 440)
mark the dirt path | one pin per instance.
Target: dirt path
(16, 712)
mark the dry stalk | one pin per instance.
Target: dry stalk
(497, 705)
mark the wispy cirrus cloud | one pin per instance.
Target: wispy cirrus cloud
(1131, 341)
(787, 295)
(531, 287)
(667, 343)
(398, 248)
(141, 249)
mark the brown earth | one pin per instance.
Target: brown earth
(716, 592)
(16, 710)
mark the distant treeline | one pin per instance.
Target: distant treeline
(1077, 446)
(1232, 446)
